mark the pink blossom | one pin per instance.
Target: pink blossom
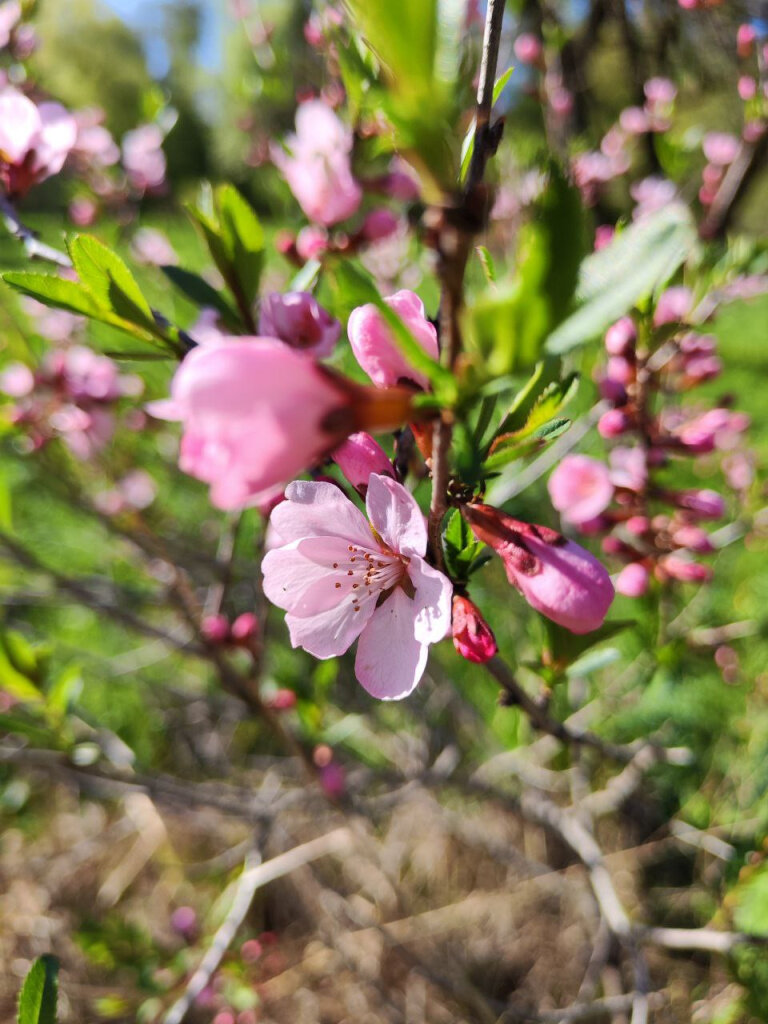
(152, 247)
(400, 183)
(339, 579)
(94, 143)
(652, 194)
(694, 538)
(472, 636)
(634, 120)
(580, 488)
(10, 16)
(660, 91)
(720, 148)
(255, 413)
(143, 157)
(705, 503)
(745, 40)
(558, 578)
(87, 374)
(603, 236)
(298, 319)
(375, 347)
(317, 165)
(137, 489)
(34, 141)
(358, 457)
(528, 48)
(633, 580)
(82, 212)
(673, 306)
(747, 87)
(17, 380)
(628, 468)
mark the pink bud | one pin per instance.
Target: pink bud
(472, 636)
(673, 306)
(747, 88)
(634, 121)
(637, 525)
(400, 184)
(620, 337)
(694, 538)
(311, 242)
(282, 700)
(558, 578)
(251, 951)
(358, 457)
(297, 319)
(245, 627)
(701, 368)
(745, 40)
(527, 48)
(333, 780)
(580, 488)
(603, 236)
(613, 423)
(375, 347)
(184, 921)
(633, 580)
(704, 503)
(661, 91)
(684, 570)
(215, 629)
(620, 370)
(720, 148)
(379, 224)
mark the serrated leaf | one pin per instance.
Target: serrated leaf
(110, 281)
(53, 291)
(510, 447)
(638, 262)
(39, 994)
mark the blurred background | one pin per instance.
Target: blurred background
(135, 779)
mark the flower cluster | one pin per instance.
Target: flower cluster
(72, 395)
(35, 141)
(655, 529)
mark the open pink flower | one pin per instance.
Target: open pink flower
(34, 141)
(317, 166)
(375, 347)
(580, 488)
(558, 578)
(339, 578)
(256, 413)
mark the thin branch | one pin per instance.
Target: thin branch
(607, 1007)
(256, 874)
(733, 186)
(33, 247)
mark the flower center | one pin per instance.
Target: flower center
(368, 573)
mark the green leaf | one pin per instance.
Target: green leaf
(54, 291)
(39, 994)
(541, 424)
(304, 280)
(461, 547)
(200, 292)
(593, 661)
(403, 35)
(508, 325)
(637, 263)
(65, 690)
(110, 281)
(566, 647)
(14, 682)
(243, 237)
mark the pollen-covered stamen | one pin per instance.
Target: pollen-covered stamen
(368, 573)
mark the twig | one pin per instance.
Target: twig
(607, 1007)
(33, 247)
(542, 720)
(255, 875)
(733, 186)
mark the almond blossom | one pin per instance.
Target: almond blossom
(256, 413)
(34, 140)
(375, 346)
(341, 579)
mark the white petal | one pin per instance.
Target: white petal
(332, 632)
(432, 601)
(390, 660)
(396, 516)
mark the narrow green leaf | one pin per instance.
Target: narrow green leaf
(39, 994)
(243, 237)
(53, 291)
(638, 262)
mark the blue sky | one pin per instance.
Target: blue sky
(147, 15)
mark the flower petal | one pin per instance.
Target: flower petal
(320, 510)
(331, 632)
(432, 601)
(304, 578)
(390, 660)
(395, 515)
